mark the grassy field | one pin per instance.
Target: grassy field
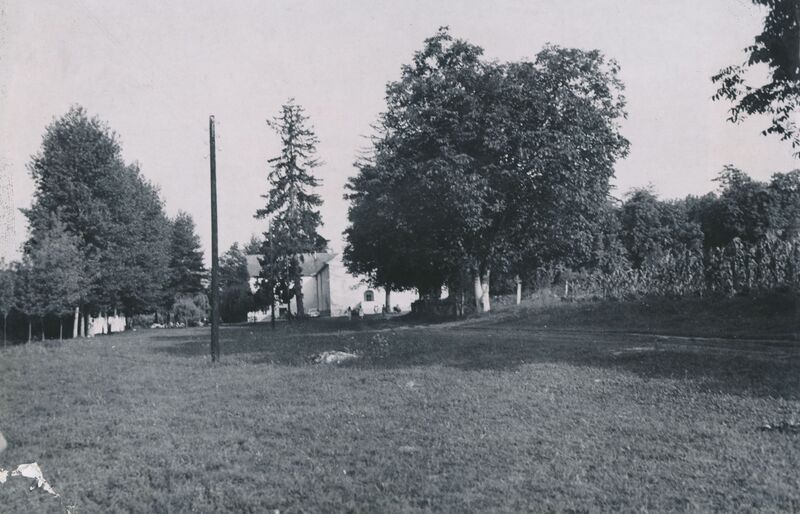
(655, 406)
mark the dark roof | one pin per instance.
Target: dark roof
(311, 265)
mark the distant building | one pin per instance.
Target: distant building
(328, 289)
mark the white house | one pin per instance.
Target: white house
(328, 289)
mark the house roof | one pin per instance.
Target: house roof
(311, 265)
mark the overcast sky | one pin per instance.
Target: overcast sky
(155, 70)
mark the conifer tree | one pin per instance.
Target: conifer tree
(186, 269)
(291, 205)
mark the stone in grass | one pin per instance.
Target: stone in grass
(334, 357)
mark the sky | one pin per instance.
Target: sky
(155, 71)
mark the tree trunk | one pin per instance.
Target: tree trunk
(75, 323)
(61, 328)
(476, 280)
(85, 324)
(519, 289)
(30, 330)
(387, 306)
(272, 320)
(485, 292)
(42, 328)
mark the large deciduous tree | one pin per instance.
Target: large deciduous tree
(479, 166)
(291, 205)
(778, 47)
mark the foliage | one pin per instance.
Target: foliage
(233, 267)
(132, 269)
(253, 246)
(291, 205)
(479, 166)
(748, 209)
(777, 46)
(56, 270)
(651, 228)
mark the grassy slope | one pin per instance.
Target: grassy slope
(500, 414)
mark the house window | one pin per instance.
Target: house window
(369, 296)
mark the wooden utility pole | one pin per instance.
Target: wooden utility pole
(214, 246)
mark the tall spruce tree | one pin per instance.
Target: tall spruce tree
(186, 269)
(292, 206)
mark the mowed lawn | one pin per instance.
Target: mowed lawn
(589, 407)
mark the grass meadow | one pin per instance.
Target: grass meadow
(645, 406)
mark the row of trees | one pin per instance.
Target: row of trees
(742, 209)
(100, 241)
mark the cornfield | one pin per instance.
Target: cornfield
(738, 268)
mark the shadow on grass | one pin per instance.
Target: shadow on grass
(604, 335)
(763, 369)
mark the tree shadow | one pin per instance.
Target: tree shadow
(744, 367)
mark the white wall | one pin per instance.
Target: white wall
(101, 325)
(348, 291)
(333, 290)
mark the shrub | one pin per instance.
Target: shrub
(235, 302)
(190, 310)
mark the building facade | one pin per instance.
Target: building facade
(329, 290)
